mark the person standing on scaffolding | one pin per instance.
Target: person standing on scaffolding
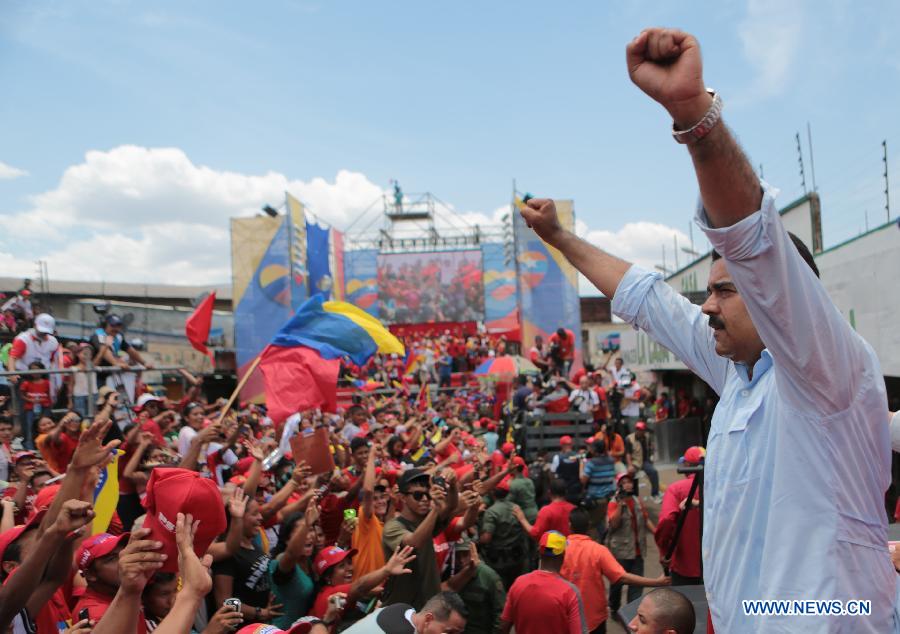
(109, 343)
(398, 198)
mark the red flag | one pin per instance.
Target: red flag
(197, 325)
(298, 378)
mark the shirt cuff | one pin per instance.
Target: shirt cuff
(630, 293)
(747, 238)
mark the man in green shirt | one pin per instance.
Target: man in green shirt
(502, 537)
(521, 490)
(480, 587)
(426, 509)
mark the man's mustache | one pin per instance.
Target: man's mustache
(716, 322)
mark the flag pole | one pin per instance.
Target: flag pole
(240, 386)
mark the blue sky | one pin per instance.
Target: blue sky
(133, 131)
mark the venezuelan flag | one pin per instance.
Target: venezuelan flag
(301, 364)
(106, 494)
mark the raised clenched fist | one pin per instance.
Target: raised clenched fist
(540, 215)
(666, 64)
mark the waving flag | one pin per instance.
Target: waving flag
(106, 495)
(198, 324)
(301, 364)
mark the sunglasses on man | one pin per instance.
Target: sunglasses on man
(419, 495)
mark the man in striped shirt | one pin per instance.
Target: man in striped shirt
(598, 474)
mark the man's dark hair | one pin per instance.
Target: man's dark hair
(357, 442)
(561, 333)
(802, 249)
(523, 380)
(443, 604)
(558, 488)
(672, 610)
(598, 447)
(579, 521)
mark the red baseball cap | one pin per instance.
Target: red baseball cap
(554, 541)
(492, 427)
(96, 546)
(503, 485)
(8, 537)
(694, 455)
(507, 447)
(174, 491)
(519, 461)
(45, 496)
(19, 455)
(624, 474)
(330, 557)
(565, 440)
(640, 425)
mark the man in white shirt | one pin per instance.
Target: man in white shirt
(584, 399)
(765, 340)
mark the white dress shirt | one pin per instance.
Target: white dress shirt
(799, 455)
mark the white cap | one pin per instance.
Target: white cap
(143, 399)
(45, 323)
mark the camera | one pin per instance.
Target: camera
(233, 603)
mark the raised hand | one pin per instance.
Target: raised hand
(255, 451)
(311, 515)
(224, 621)
(237, 504)
(540, 215)
(91, 451)
(194, 571)
(73, 517)
(396, 565)
(301, 472)
(666, 64)
(139, 561)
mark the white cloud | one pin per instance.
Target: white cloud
(770, 36)
(152, 215)
(640, 243)
(8, 172)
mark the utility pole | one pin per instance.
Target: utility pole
(812, 162)
(800, 161)
(887, 189)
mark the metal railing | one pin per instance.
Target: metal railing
(91, 370)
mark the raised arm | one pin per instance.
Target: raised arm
(820, 360)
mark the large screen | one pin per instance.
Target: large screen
(416, 288)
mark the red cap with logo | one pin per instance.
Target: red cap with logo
(330, 557)
(694, 455)
(97, 546)
(565, 440)
(174, 491)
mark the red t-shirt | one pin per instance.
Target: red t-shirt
(320, 606)
(59, 454)
(542, 602)
(98, 603)
(553, 517)
(444, 541)
(38, 393)
(566, 346)
(686, 558)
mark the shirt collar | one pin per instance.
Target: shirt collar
(759, 368)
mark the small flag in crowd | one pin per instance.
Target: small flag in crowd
(106, 494)
(300, 365)
(198, 324)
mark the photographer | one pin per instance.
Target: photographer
(629, 524)
(639, 450)
(685, 564)
(583, 399)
